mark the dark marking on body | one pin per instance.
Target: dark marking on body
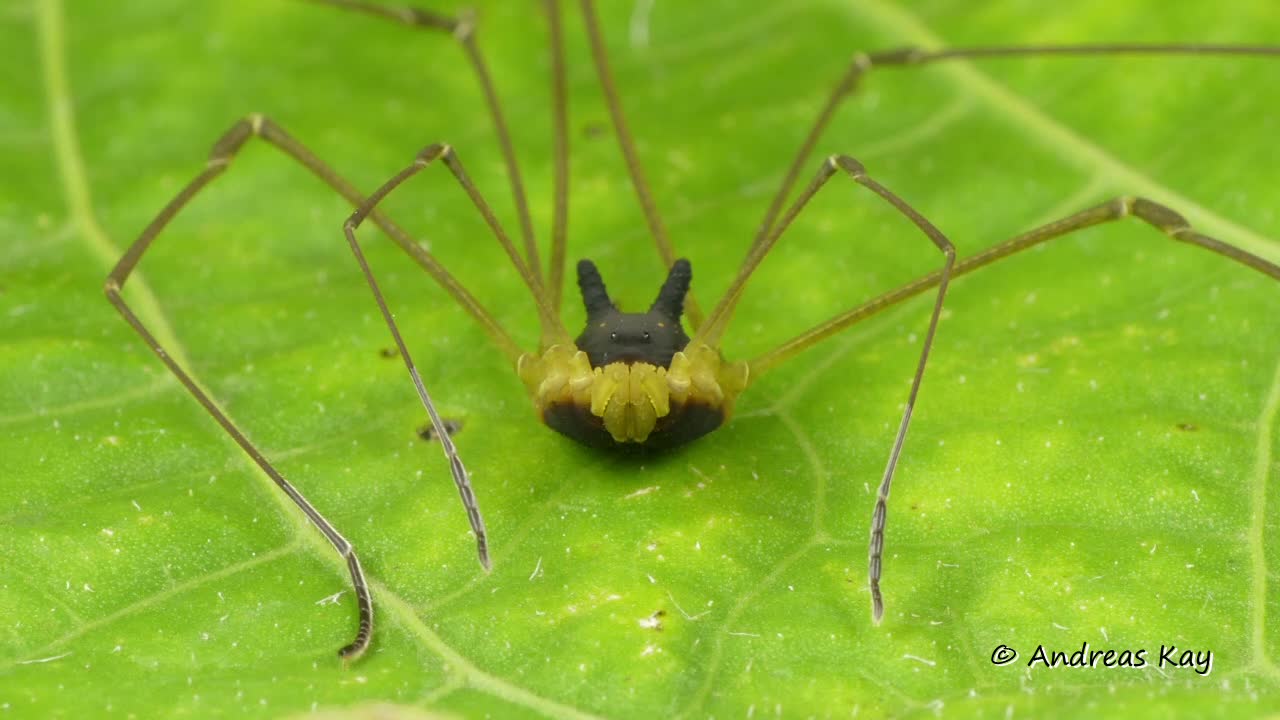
(653, 337)
(650, 337)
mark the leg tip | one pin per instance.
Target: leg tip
(353, 652)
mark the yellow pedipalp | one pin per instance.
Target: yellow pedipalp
(631, 398)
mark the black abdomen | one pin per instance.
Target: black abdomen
(685, 423)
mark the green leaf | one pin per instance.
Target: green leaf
(1088, 463)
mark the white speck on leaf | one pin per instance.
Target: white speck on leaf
(331, 599)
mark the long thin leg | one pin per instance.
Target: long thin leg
(224, 150)
(711, 331)
(1161, 217)
(560, 154)
(553, 331)
(864, 63)
(1158, 216)
(463, 28)
(1164, 219)
(659, 232)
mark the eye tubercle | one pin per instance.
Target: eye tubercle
(594, 295)
(670, 300)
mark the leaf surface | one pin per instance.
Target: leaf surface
(1090, 460)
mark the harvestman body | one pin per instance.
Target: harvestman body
(635, 379)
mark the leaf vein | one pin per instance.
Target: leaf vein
(75, 187)
(164, 595)
(1056, 137)
(1257, 530)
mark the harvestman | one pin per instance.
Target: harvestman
(635, 378)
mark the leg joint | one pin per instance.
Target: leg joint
(251, 125)
(464, 27)
(1166, 219)
(1123, 205)
(432, 152)
(344, 547)
(849, 165)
